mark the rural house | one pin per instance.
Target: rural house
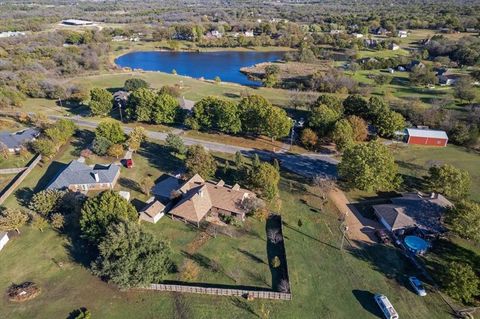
(14, 141)
(79, 177)
(196, 198)
(413, 210)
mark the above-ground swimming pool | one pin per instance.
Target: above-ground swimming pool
(416, 244)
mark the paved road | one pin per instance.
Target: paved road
(307, 165)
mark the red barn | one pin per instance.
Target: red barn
(426, 137)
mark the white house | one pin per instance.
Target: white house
(11, 34)
(3, 239)
(357, 35)
(248, 34)
(394, 47)
(402, 34)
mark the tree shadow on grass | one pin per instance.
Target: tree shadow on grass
(244, 305)
(280, 273)
(160, 157)
(367, 301)
(83, 139)
(23, 195)
(130, 184)
(251, 256)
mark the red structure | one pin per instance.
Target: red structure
(426, 137)
(128, 163)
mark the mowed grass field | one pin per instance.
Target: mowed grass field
(325, 281)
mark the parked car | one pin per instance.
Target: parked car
(388, 311)
(382, 236)
(417, 286)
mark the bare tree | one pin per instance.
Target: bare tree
(324, 184)
(274, 235)
(284, 286)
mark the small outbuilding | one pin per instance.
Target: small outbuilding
(426, 137)
(3, 239)
(153, 211)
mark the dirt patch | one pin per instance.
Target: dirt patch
(288, 70)
(23, 292)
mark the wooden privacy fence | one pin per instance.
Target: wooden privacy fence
(18, 179)
(260, 294)
(7, 171)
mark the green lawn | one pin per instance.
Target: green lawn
(15, 161)
(325, 282)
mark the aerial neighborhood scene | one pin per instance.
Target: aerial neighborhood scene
(240, 159)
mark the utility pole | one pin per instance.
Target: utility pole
(293, 132)
(120, 109)
(344, 229)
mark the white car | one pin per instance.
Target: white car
(417, 286)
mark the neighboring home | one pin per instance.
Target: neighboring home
(413, 210)
(121, 98)
(3, 239)
(153, 211)
(390, 70)
(186, 104)
(402, 34)
(248, 34)
(79, 177)
(119, 38)
(370, 43)
(357, 35)
(196, 198)
(11, 34)
(393, 46)
(414, 63)
(447, 79)
(14, 141)
(425, 137)
(76, 22)
(334, 32)
(380, 31)
(214, 34)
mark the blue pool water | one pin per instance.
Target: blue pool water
(416, 244)
(225, 64)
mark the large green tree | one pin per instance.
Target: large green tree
(218, 114)
(356, 105)
(464, 219)
(369, 167)
(101, 102)
(254, 110)
(140, 104)
(46, 201)
(200, 161)
(342, 135)
(461, 282)
(264, 179)
(102, 210)
(111, 131)
(130, 257)
(134, 84)
(277, 123)
(323, 118)
(331, 101)
(165, 108)
(388, 123)
(450, 181)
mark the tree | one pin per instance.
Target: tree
(450, 181)
(39, 223)
(309, 138)
(462, 283)
(12, 219)
(422, 75)
(57, 220)
(140, 105)
(369, 167)
(164, 110)
(100, 145)
(102, 210)
(356, 105)
(101, 102)
(130, 257)
(342, 135)
(219, 114)
(44, 146)
(136, 137)
(46, 201)
(464, 219)
(116, 150)
(359, 127)
(135, 84)
(175, 143)
(264, 180)
(275, 262)
(277, 123)
(323, 118)
(254, 110)
(388, 123)
(147, 184)
(238, 160)
(200, 161)
(331, 101)
(464, 90)
(110, 130)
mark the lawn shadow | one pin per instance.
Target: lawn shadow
(83, 139)
(279, 273)
(244, 305)
(23, 195)
(285, 224)
(160, 157)
(251, 256)
(366, 299)
(130, 184)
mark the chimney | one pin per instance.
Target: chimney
(433, 195)
(221, 183)
(97, 178)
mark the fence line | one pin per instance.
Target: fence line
(19, 179)
(7, 171)
(256, 294)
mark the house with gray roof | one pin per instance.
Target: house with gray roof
(14, 141)
(79, 177)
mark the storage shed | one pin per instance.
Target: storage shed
(425, 137)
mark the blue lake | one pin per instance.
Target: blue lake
(225, 64)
